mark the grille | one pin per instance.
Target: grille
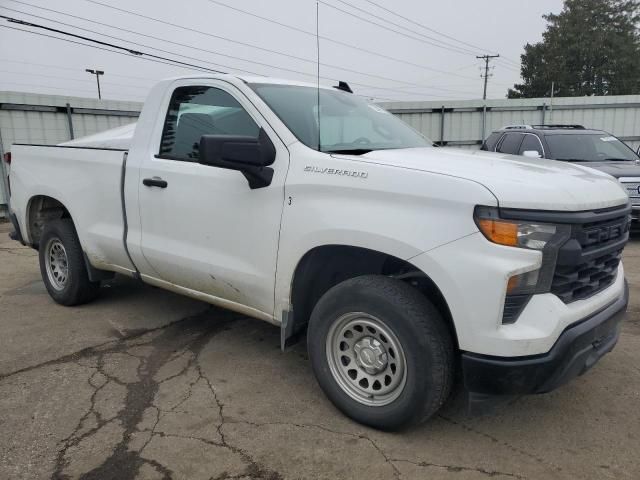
(633, 190)
(572, 283)
(588, 262)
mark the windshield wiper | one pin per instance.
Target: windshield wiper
(617, 160)
(352, 151)
(573, 160)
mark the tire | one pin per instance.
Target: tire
(62, 265)
(390, 323)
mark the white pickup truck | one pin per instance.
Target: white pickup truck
(403, 263)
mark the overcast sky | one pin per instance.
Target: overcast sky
(414, 64)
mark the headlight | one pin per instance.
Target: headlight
(544, 237)
(514, 233)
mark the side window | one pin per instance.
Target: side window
(197, 110)
(531, 143)
(491, 141)
(510, 143)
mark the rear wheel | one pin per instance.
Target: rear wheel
(381, 352)
(62, 265)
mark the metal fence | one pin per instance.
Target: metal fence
(467, 123)
(52, 119)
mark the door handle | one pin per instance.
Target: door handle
(155, 182)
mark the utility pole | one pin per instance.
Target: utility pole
(553, 88)
(97, 73)
(486, 75)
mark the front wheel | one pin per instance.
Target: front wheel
(62, 265)
(381, 352)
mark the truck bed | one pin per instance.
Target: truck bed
(88, 181)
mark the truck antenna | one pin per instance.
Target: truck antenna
(318, 71)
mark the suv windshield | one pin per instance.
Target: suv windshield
(348, 123)
(589, 147)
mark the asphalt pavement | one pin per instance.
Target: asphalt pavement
(145, 384)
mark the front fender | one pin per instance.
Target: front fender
(391, 210)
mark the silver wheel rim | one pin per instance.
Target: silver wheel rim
(366, 359)
(56, 264)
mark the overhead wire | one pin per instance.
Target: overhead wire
(139, 53)
(291, 27)
(99, 48)
(69, 79)
(418, 39)
(59, 67)
(441, 44)
(337, 67)
(407, 19)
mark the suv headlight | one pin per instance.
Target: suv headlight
(544, 237)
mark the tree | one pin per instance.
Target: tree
(591, 48)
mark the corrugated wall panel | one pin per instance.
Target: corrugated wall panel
(619, 115)
(19, 125)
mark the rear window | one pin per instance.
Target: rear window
(599, 147)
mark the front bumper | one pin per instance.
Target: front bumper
(577, 349)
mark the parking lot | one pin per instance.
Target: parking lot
(145, 384)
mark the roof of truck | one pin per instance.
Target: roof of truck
(251, 79)
(121, 137)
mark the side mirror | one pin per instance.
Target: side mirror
(249, 155)
(531, 154)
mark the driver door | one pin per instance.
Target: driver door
(202, 227)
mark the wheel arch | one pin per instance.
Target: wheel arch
(325, 266)
(40, 210)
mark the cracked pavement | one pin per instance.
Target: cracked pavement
(144, 384)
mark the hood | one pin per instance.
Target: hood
(119, 138)
(615, 169)
(517, 182)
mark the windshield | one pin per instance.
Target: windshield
(348, 123)
(600, 147)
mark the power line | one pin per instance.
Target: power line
(138, 54)
(69, 79)
(291, 27)
(45, 86)
(70, 69)
(505, 60)
(152, 37)
(141, 53)
(425, 27)
(510, 60)
(368, 86)
(427, 42)
(337, 67)
(100, 48)
(140, 44)
(452, 48)
(100, 42)
(35, 85)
